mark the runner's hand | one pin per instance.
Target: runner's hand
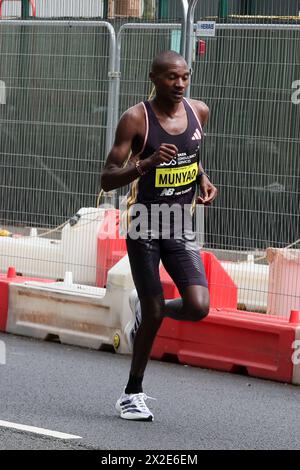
(164, 154)
(208, 191)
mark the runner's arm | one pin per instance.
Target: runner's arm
(115, 174)
(208, 190)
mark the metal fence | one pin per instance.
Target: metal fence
(137, 44)
(54, 124)
(251, 151)
(60, 83)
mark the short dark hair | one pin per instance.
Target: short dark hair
(162, 60)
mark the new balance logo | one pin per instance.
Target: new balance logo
(197, 135)
(168, 192)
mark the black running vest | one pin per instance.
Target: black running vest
(173, 182)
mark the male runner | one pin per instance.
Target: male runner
(164, 135)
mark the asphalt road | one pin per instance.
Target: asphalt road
(73, 390)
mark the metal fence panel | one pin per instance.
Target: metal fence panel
(140, 44)
(252, 144)
(54, 124)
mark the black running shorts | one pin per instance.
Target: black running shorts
(180, 257)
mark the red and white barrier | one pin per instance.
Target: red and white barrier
(50, 258)
(230, 340)
(5, 281)
(76, 314)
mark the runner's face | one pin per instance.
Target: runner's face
(172, 81)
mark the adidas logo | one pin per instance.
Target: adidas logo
(197, 135)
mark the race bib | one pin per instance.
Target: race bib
(174, 177)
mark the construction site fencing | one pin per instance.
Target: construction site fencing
(64, 85)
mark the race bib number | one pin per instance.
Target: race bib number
(173, 177)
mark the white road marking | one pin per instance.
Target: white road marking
(34, 430)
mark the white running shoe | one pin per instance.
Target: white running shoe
(133, 407)
(133, 324)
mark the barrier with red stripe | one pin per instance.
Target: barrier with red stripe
(111, 246)
(228, 339)
(5, 280)
(222, 290)
(233, 341)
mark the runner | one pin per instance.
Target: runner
(164, 135)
